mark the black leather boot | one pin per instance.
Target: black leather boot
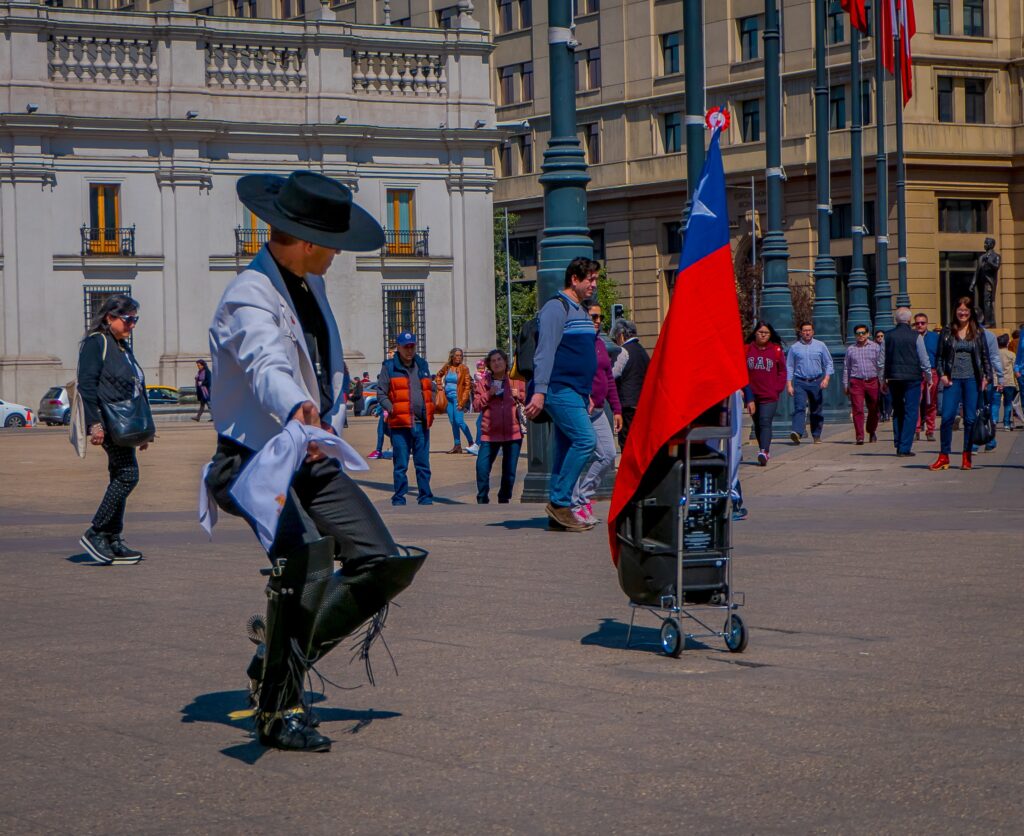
(297, 585)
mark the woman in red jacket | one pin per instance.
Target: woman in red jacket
(497, 398)
(766, 365)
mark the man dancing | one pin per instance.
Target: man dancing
(277, 358)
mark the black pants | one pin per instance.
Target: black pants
(323, 502)
(123, 467)
(764, 414)
(628, 412)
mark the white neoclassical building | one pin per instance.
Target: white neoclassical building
(122, 136)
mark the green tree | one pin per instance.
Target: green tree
(524, 295)
(608, 295)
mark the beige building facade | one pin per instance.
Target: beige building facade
(123, 134)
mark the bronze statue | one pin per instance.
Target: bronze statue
(986, 274)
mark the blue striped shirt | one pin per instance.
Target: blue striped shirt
(808, 360)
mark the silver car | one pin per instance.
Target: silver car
(55, 408)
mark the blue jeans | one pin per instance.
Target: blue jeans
(417, 441)
(906, 401)
(458, 422)
(381, 429)
(808, 392)
(963, 390)
(1009, 393)
(485, 460)
(574, 441)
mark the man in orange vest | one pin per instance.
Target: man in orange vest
(406, 391)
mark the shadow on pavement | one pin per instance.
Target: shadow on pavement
(84, 560)
(611, 633)
(217, 706)
(517, 525)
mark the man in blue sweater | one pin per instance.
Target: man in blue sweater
(564, 367)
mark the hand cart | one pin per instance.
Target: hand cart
(675, 543)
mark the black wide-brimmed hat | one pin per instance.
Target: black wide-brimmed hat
(313, 208)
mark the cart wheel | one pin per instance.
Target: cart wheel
(671, 637)
(735, 634)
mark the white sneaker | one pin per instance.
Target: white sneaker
(473, 449)
(589, 508)
(579, 513)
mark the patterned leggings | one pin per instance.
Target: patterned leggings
(124, 476)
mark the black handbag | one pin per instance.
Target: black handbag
(129, 423)
(984, 430)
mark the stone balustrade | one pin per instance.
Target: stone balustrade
(244, 67)
(80, 58)
(398, 73)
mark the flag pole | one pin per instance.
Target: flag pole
(508, 284)
(902, 296)
(776, 300)
(693, 93)
(883, 290)
(858, 311)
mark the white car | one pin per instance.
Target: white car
(15, 415)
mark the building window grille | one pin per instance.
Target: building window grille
(970, 216)
(945, 95)
(751, 124)
(672, 132)
(837, 108)
(96, 294)
(974, 101)
(404, 311)
(748, 37)
(942, 19)
(670, 43)
(974, 18)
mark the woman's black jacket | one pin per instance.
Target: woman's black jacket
(979, 353)
(109, 380)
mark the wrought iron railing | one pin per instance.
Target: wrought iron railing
(411, 242)
(248, 241)
(108, 240)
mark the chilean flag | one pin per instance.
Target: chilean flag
(900, 14)
(700, 358)
(858, 13)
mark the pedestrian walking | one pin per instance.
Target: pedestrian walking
(963, 366)
(277, 359)
(602, 392)
(862, 382)
(497, 398)
(885, 398)
(766, 367)
(355, 395)
(905, 368)
(930, 387)
(564, 368)
(453, 378)
(406, 391)
(808, 371)
(1009, 382)
(629, 371)
(203, 380)
(109, 376)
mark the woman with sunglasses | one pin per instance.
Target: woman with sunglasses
(963, 368)
(766, 367)
(107, 373)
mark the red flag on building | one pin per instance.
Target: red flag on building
(858, 14)
(700, 358)
(900, 14)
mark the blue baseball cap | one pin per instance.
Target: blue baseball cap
(406, 338)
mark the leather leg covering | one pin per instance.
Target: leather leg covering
(294, 597)
(357, 592)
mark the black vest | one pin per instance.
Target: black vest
(631, 381)
(901, 360)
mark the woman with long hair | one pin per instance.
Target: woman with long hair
(766, 367)
(963, 369)
(497, 398)
(454, 379)
(203, 379)
(885, 399)
(107, 373)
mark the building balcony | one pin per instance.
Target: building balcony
(249, 241)
(100, 240)
(413, 243)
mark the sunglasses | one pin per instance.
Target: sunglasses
(128, 320)
(597, 317)
(861, 333)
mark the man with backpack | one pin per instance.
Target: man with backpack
(564, 364)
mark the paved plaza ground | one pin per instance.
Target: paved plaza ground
(882, 690)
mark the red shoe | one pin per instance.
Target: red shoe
(965, 463)
(941, 463)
